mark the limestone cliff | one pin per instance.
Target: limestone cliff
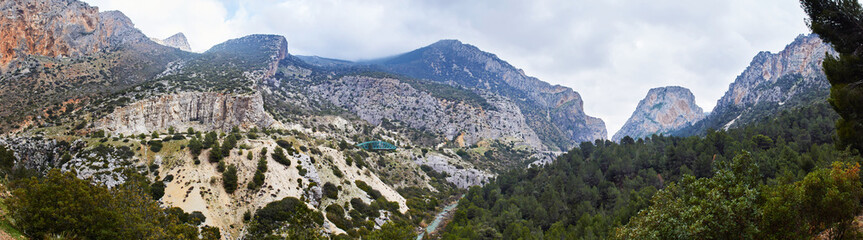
(375, 99)
(55, 28)
(772, 82)
(556, 113)
(200, 110)
(663, 110)
(175, 41)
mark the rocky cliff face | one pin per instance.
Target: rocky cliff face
(202, 111)
(460, 177)
(763, 80)
(175, 41)
(555, 112)
(376, 99)
(662, 111)
(58, 28)
(772, 82)
(49, 28)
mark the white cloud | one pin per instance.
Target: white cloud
(612, 52)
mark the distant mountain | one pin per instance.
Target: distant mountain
(772, 82)
(324, 62)
(555, 112)
(176, 41)
(662, 111)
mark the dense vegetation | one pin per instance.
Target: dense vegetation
(89, 211)
(840, 23)
(596, 187)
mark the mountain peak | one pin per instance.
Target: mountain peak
(555, 109)
(663, 110)
(176, 41)
(276, 45)
(447, 43)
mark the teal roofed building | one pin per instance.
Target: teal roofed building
(377, 145)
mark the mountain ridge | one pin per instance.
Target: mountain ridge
(772, 82)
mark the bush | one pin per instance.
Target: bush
(229, 179)
(257, 180)
(220, 167)
(209, 140)
(336, 215)
(284, 144)
(157, 190)
(364, 208)
(155, 145)
(196, 218)
(215, 153)
(210, 232)
(230, 142)
(279, 157)
(289, 212)
(374, 194)
(331, 191)
(195, 147)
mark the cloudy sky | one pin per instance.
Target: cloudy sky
(612, 52)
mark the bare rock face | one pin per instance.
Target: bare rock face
(757, 83)
(175, 41)
(375, 99)
(49, 28)
(662, 111)
(461, 178)
(56, 28)
(772, 82)
(556, 113)
(200, 110)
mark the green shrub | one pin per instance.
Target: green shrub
(331, 191)
(279, 157)
(229, 179)
(157, 190)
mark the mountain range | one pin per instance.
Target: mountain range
(86, 92)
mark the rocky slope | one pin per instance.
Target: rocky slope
(772, 82)
(556, 113)
(175, 41)
(375, 99)
(199, 110)
(662, 111)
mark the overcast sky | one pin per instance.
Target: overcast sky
(612, 52)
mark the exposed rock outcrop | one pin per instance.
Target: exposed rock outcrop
(49, 28)
(662, 111)
(375, 99)
(462, 178)
(771, 83)
(200, 110)
(56, 28)
(175, 41)
(762, 80)
(556, 113)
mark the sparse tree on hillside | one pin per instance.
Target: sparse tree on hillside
(229, 179)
